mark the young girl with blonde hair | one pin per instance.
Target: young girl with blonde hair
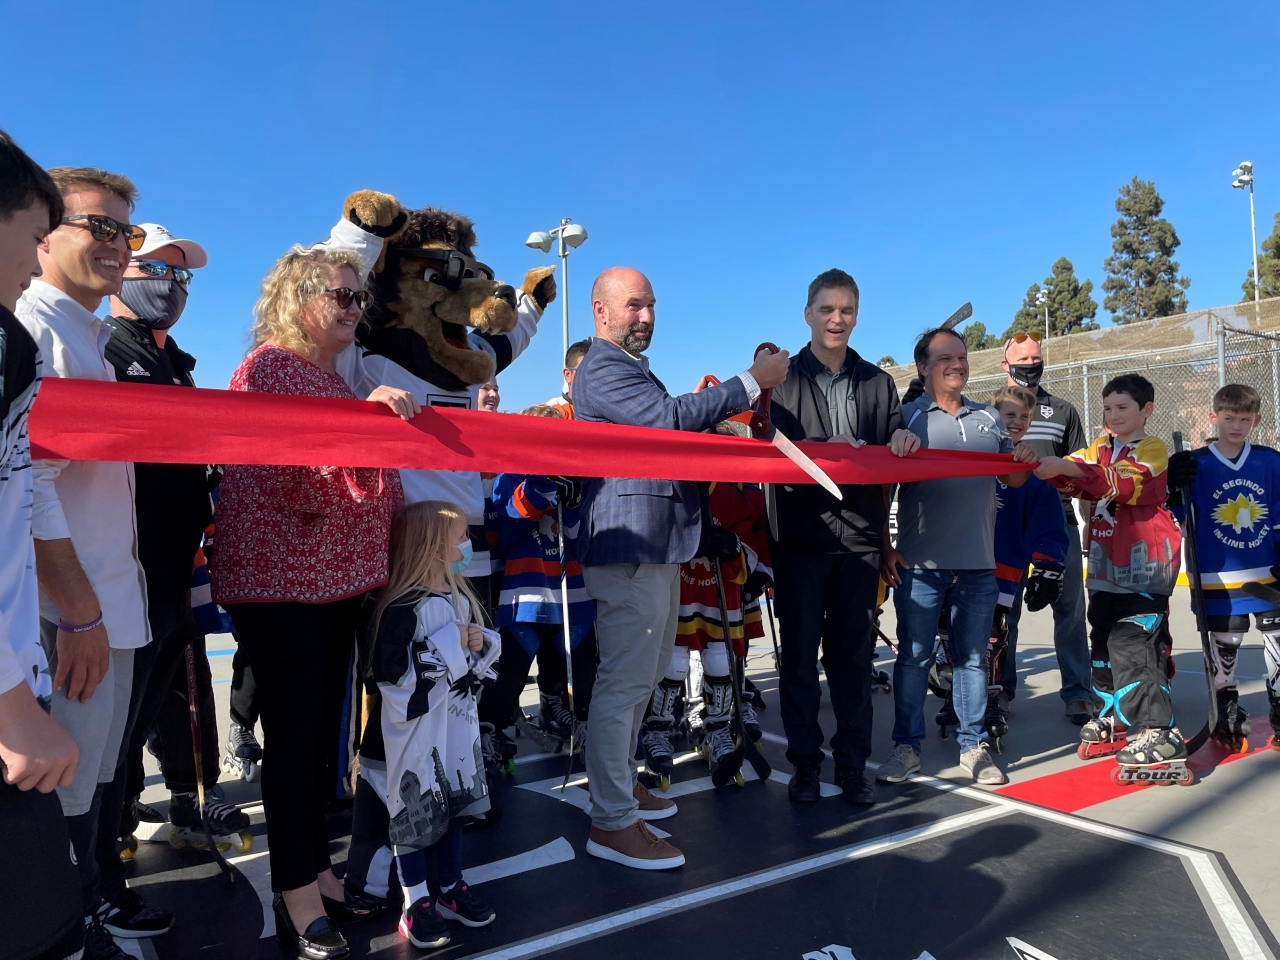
(429, 655)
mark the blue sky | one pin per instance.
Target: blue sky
(939, 152)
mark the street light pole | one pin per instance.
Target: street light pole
(1042, 298)
(1244, 178)
(568, 234)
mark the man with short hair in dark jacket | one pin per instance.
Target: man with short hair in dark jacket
(827, 554)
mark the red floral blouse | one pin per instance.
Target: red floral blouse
(307, 534)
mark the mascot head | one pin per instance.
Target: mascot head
(429, 290)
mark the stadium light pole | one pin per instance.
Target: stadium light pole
(1244, 178)
(568, 234)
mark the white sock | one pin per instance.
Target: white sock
(415, 892)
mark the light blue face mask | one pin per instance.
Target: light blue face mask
(458, 566)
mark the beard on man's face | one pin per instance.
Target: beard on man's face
(637, 337)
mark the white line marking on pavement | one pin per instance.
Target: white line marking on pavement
(1026, 951)
(687, 901)
(558, 850)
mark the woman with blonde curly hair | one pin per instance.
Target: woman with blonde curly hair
(298, 549)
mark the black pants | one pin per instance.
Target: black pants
(244, 692)
(40, 905)
(500, 698)
(300, 654)
(827, 600)
(1130, 653)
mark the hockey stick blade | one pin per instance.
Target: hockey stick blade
(1263, 591)
(960, 316)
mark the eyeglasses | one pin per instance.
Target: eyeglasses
(106, 229)
(345, 296)
(1024, 337)
(158, 268)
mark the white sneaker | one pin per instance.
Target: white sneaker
(902, 763)
(979, 765)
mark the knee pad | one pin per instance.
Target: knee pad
(1226, 650)
(678, 668)
(1271, 656)
(715, 660)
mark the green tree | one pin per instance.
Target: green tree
(1142, 277)
(976, 337)
(1268, 266)
(887, 361)
(1071, 304)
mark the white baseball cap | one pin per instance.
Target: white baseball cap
(158, 236)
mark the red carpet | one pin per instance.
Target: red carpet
(1090, 782)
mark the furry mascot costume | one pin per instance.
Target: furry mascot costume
(439, 326)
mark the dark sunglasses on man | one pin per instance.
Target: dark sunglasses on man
(158, 269)
(106, 229)
(345, 296)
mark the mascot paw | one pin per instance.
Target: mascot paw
(376, 213)
(540, 284)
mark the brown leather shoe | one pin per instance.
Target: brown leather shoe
(634, 846)
(651, 807)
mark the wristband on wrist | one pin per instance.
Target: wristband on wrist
(82, 628)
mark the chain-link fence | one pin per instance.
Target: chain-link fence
(1179, 355)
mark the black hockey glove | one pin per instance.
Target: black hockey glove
(1184, 466)
(719, 543)
(1044, 586)
(569, 491)
(757, 582)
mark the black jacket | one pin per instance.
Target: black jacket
(173, 503)
(809, 518)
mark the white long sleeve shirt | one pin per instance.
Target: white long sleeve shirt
(89, 501)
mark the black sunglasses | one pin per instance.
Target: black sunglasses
(454, 267)
(158, 268)
(345, 296)
(106, 229)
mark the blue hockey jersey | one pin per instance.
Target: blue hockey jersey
(1030, 528)
(1237, 513)
(529, 545)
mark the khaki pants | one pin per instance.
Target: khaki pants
(97, 727)
(637, 610)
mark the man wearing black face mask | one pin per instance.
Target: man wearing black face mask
(173, 509)
(1055, 431)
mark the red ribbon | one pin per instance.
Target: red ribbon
(93, 420)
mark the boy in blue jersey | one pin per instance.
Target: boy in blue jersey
(529, 608)
(1234, 488)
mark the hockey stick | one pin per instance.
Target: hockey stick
(758, 763)
(960, 316)
(1197, 596)
(773, 628)
(1262, 591)
(197, 748)
(568, 638)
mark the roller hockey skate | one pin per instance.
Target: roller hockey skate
(551, 728)
(946, 719)
(997, 722)
(229, 826)
(881, 682)
(718, 747)
(751, 723)
(244, 753)
(1232, 730)
(497, 750)
(1155, 757)
(657, 730)
(1101, 737)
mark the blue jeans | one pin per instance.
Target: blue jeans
(918, 603)
(1070, 639)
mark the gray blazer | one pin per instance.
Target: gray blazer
(642, 521)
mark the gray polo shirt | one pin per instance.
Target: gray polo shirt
(842, 405)
(950, 524)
